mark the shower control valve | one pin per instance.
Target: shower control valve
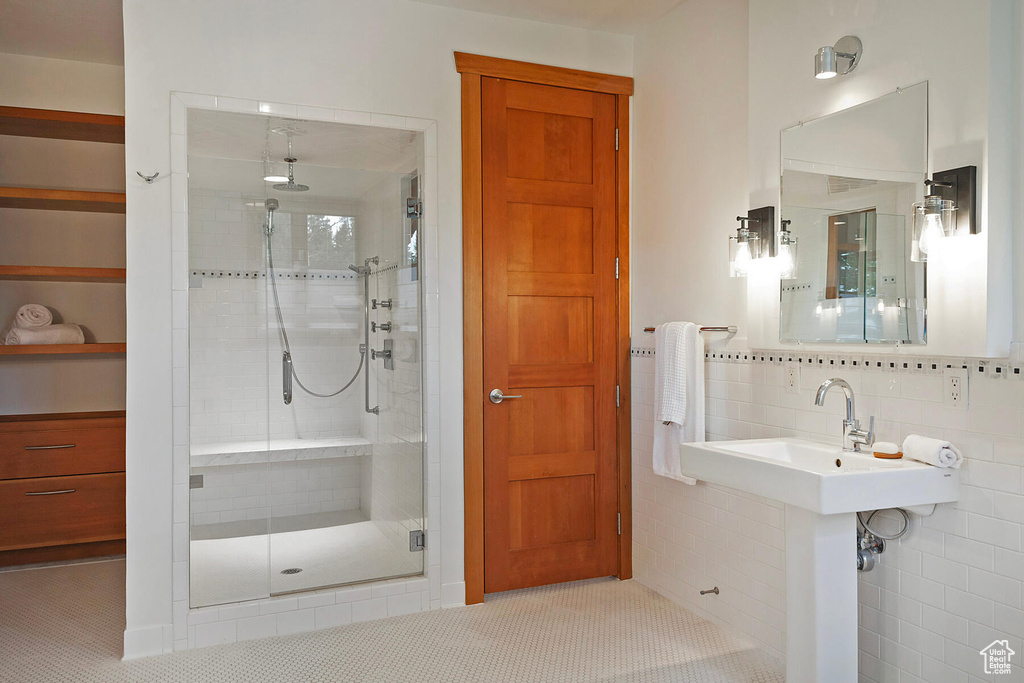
(375, 354)
(383, 327)
(383, 303)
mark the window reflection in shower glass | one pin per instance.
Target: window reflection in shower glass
(296, 486)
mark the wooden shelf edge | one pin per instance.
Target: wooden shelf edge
(61, 349)
(62, 125)
(61, 274)
(62, 200)
(39, 417)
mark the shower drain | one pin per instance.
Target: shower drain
(291, 570)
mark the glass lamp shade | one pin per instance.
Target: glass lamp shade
(743, 248)
(786, 255)
(933, 219)
(275, 171)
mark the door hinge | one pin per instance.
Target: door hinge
(616, 395)
(616, 139)
(616, 267)
(413, 208)
(417, 541)
(618, 515)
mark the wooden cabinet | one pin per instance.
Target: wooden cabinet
(62, 481)
(61, 486)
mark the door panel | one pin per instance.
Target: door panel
(549, 324)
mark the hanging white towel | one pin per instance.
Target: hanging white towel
(65, 333)
(678, 395)
(932, 451)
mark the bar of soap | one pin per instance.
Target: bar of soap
(887, 450)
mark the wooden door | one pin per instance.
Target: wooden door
(549, 334)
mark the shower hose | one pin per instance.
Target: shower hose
(284, 333)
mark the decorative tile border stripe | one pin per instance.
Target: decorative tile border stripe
(281, 275)
(929, 365)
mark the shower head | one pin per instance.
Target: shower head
(291, 185)
(362, 270)
(272, 204)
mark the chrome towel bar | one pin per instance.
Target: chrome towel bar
(731, 329)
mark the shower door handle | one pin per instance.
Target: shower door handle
(286, 368)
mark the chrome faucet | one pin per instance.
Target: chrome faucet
(853, 435)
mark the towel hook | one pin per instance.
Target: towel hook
(148, 178)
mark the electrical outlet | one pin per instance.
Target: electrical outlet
(792, 378)
(954, 388)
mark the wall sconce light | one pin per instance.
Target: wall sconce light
(948, 209)
(786, 252)
(742, 247)
(838, 60)
(754, 239)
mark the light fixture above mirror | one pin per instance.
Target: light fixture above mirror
(838, 60)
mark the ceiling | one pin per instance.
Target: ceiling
(613, 16)
(229, 135)
(79, 30)
(226, 149)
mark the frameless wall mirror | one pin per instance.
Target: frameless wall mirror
(848, 182)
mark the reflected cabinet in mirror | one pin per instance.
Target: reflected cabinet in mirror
(848, 183)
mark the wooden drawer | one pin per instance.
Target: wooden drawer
(61, 510)
(51, 448)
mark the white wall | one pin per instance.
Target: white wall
(689, 168)
(963, 50)
(386, 56)
(43, 83)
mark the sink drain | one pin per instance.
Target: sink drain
(291, 570)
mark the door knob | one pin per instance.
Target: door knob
(497, 397)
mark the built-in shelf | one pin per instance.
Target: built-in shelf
(61, 200)
(64, 125)
(61, 349)
(61, 274)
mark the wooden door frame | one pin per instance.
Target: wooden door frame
(472, 68)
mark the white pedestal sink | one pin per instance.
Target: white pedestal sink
(823, 487)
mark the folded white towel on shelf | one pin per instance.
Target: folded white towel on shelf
(65, 333)
(932, 451)
(678, 395)
(32, 315)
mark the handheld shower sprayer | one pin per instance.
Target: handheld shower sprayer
(272, 206)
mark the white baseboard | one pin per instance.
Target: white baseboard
(146, 642)
(453, 594)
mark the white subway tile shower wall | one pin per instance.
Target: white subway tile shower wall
(240, 621)
(936, 597)
(233, 493)
(236, 378)
(396, 479)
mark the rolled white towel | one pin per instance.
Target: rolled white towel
(32, 315)
(65, 333)
(932, 451)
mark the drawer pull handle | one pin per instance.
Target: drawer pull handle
(49, 448)
(48, 493)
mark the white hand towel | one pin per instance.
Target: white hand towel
(51, 334)
(32, 315)
(932, 451)
(678, 395)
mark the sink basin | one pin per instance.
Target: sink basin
(822, 487)
(818, 477)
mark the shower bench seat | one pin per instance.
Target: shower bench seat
(278, 450)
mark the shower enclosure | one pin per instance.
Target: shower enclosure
(305, 406)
